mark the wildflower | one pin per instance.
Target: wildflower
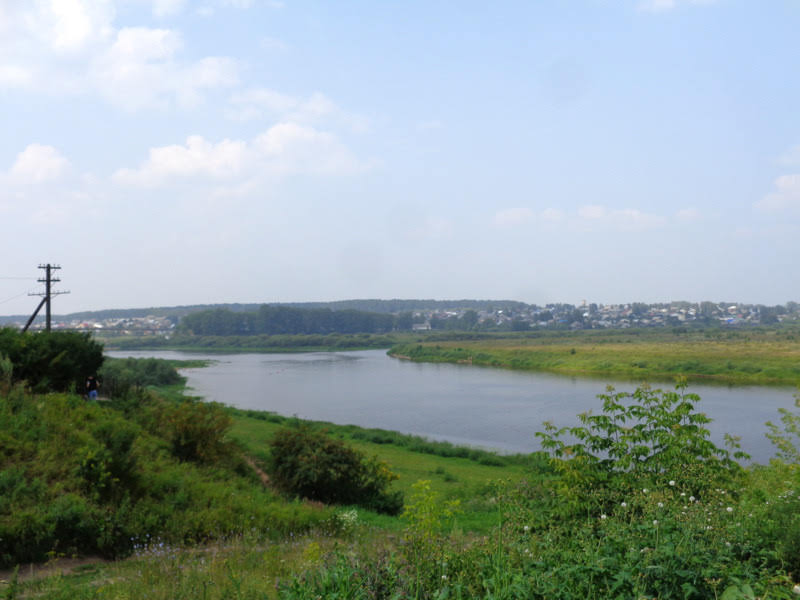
(526, 528)
(672, 482)
(644, 490)
(624, 504)
(444, 577)
(683, 494)
(655, 521)
(729, 509)
(603, 516)
(691, 498)
(660, 505)
(796, 589)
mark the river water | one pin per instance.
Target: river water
(476, 406)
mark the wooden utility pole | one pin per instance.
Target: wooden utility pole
(48, 282)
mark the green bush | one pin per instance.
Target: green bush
(312, 465)
(196, 430)
(641, 439)
(120, 376)
(51, 361)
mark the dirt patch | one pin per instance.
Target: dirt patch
(58, 566)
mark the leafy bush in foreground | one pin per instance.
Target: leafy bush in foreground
(54, 361)
(312, 465)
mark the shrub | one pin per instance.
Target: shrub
(312, 465)
(120, 376)
(196, 430)
(51, 361)
(644, 437)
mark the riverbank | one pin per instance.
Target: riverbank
(753, 357)
(526, 528)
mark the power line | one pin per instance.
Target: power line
(13, 297)
(23, 278)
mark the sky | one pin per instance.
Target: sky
(175, 152)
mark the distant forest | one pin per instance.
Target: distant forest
(278, 320)
(368, 305)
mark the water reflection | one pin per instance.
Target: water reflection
(477, 406)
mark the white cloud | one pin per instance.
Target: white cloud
(512, 217)
(263, 103)
(785, 197)
(552, 215)
(665, 5)
(65, 26)
(71, 46)
(197, 158)
(15, 76)
(626, 219)
(164, 8)
(140, 71)
(592, 212)
(284, 149)
(37, 163)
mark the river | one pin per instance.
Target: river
(476, 406)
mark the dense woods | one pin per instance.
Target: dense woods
(277, 320)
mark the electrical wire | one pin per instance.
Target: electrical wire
(13, 298)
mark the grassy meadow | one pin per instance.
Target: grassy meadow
(747, 356)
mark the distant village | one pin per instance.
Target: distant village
(617, 316)
(520, 317)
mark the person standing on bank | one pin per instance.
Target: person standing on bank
(91, 387)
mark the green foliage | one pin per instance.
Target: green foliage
(277, 320)
(196, 430)
(644, 438)
(87, 478)
(119, 376)
(312, 465)
(50, 361)
(6, 372)
(787, 440)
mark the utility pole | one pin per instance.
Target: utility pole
(48, 282)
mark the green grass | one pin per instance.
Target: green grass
(454, 477)
(752, 357)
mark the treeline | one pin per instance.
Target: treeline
(285, 320)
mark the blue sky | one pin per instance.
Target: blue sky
(169, 152)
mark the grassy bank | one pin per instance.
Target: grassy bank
(755, 357)
(615, 511)
(258, 343)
